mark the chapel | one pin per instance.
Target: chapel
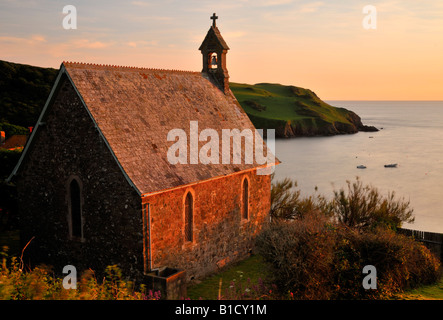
(95, 185)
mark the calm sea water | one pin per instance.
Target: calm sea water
(412, 137)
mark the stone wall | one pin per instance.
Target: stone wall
(221, 236)
(67, 146)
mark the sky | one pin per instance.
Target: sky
(320, 45)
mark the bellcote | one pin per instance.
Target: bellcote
(214, 50)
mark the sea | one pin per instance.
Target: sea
(410, 135)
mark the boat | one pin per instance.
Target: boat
(361, 167)
(392, 165)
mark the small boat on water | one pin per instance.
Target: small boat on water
(361, 167)
(392, 165)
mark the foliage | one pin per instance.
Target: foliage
(401, 263)
(363, 207)
(429, 292)
(317, 248)
(286, 202)
(11, 129)
(315, 258)
(300, 255)
(23, 92)
(41, 284)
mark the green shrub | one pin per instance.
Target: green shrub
(360, 206)
(11, 129)
(401, 263)
(363, 207)
(300, 255)
(313, 258)
(41, 284)
(286, 202)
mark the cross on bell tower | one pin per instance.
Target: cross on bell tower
(214, 50)
(213, 18)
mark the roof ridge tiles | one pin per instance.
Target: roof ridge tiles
(74, 63)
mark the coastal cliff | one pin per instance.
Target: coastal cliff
(294, 111)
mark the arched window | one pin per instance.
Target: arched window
(245, 199)
(189, 217)
(75, 209)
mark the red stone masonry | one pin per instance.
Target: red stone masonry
(220, 234)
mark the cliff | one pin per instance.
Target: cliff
(294, 111)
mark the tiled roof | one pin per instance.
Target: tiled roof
(135, 108)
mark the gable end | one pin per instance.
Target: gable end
(62, 76)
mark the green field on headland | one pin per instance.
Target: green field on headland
(294, 111)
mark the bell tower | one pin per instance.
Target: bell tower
(214, 50)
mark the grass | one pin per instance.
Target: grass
(252, 268)
(431, 292)
(287, 103)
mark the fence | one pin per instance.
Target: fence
(433, 241)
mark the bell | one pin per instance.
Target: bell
(214, 61)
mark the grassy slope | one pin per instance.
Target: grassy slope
(431, 292)
(288, 105)
(254, 268)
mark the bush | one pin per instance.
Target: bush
(11, 129)
(41, 284)
(401, 263)
(313, 258)
(287, 204)
(363, 207)
(300, 255)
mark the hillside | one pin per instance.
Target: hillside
(23, 93)
(294, 111)
(291, 110)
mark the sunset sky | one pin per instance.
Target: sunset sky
(320, 45)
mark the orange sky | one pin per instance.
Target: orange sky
(313, 44)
